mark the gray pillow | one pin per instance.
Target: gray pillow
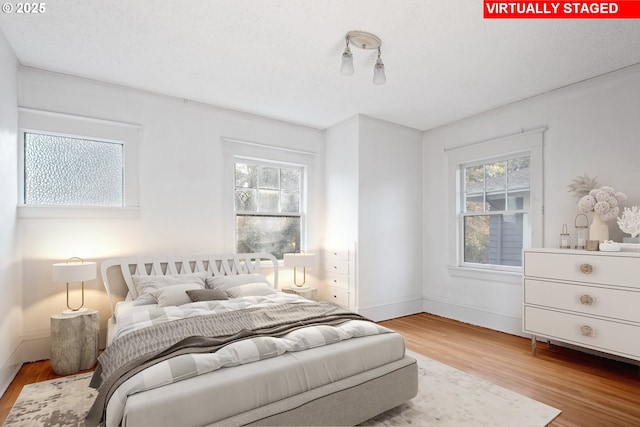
(146, 284)
(228, 282)
(196, 295)
(175, 294)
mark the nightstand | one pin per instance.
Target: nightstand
(308, 293)
(74, 341)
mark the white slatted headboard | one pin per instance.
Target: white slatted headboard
(216, 265)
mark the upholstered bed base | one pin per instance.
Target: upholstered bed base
(346, 402)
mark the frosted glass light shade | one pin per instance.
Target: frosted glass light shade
(74, 271)
(379, 78)
(347, 63)
(298, 260)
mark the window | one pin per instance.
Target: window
(495, 210)
(76, 167)
(268, 207)
(69, 171)
(496, 205)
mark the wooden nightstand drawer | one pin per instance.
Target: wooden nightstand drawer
(594, 300)
(580, 267)
(612, 337)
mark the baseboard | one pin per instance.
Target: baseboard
(391, 310)
(474, 316)
(10, 368)
(35, 347)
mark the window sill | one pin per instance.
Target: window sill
(70, 212)
(512, 277)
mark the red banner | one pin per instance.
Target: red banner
(561, 9)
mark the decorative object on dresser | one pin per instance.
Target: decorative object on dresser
(339, 277)
(582, 231)
(75, 269)
(629, 222)
(74, 341)
(586, 299)
(565, 238)
(603, 202)
(297, 260)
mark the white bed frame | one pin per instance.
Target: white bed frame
(217, 265)
(347, 402)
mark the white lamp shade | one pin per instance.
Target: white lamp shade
(74, 271)
(299, 260)
(346, 69)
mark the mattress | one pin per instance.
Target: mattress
(231, 391)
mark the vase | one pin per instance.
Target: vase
(598, 230)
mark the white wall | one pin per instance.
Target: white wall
(182, 203)
(374, 203)
(10, 280)
(390, 219)
(593, 128)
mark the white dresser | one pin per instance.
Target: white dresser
(590, 299)
(338, 276)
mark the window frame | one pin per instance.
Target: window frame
(462, 214)
(246, 150)
(65, 125)
(302, 201)
(481, 152)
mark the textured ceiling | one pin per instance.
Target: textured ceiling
(281, 58)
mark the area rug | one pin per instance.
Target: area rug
(447, 397)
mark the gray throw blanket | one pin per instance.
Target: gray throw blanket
(140, 349)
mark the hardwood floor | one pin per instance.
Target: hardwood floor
(590, 390)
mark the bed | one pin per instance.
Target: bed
(208, 341)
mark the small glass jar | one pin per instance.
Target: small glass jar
(565, 238)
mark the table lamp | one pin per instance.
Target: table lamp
(75, 269)
(296, 260)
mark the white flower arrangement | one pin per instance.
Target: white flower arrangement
(604, 201)
(630, 221)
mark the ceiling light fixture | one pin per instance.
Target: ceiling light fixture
(363, 40)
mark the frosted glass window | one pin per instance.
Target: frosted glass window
(268, 208)
(60, 170)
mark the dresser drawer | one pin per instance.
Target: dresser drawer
(336, 254)
(601, 269)
(337, 266)
(339, 296)
(612, 337)
(337, 280)
(615, 303)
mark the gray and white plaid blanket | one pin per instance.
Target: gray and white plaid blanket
(183, 339)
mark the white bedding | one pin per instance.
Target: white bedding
(303, 364)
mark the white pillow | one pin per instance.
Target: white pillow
(228, 282)
(146, 284)
(251, 290)
(175, 294)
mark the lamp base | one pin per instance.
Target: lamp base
(78, 311)
(299, 288)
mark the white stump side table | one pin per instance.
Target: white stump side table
(308, 292)
(74, 341)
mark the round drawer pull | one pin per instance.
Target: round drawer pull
(586, 268)
(586, 331)
(586, 300)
